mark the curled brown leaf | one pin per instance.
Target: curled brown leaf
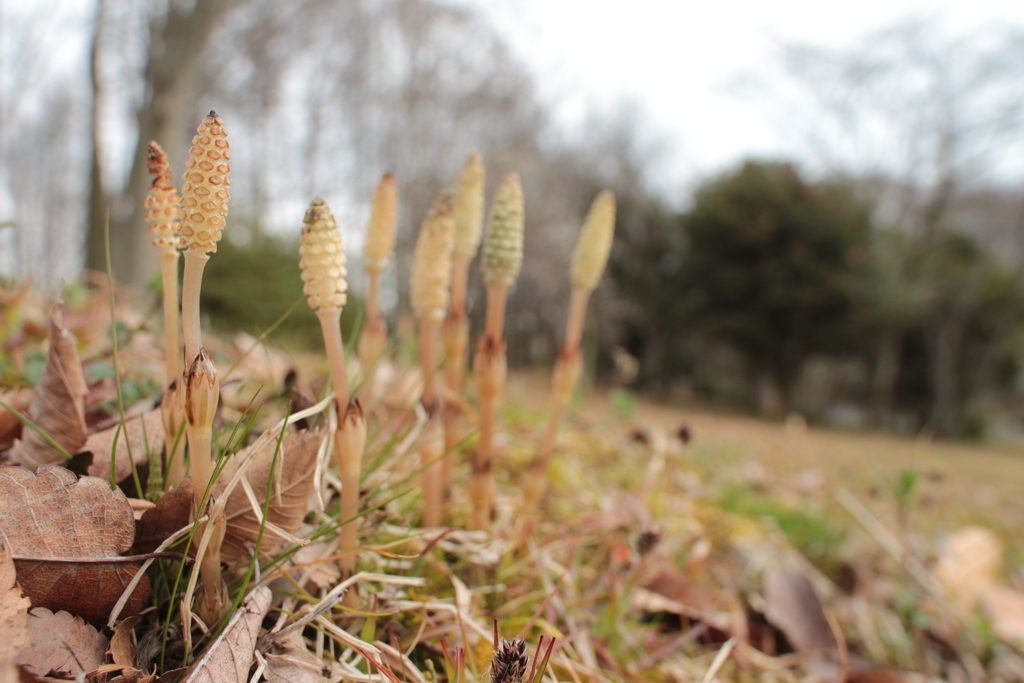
(290, 491)
(13, 608)
(794, 608)
(143, 431)
(58, 402)
(54, 514)
(10, 425)
(61, 643)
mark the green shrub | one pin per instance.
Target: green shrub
(248, 286)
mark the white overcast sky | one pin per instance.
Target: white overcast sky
(675, 59)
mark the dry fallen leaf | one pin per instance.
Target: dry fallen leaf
(288, 504)
(171, 512)
(10, 424)
(318, 571)
(54, 514)
(61, 643)
(793, 607)
(290, 492)
(58, 402)
(970, 564)
(134, 676)
(291, 662)
(13, 608)
(122, 649)
(1005, 607)
(142, 430)
(672, 591)
(228, 658)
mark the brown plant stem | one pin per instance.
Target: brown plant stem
(172, 352)
(191, 284)
(431, 458)
(489, 370)
(174, 415)
(455, 333)
(349, 444)
(172, 410)
(372, 295)
(429, 328)
(495, 325)
(577, 316)
(373, 338)
(330, 318)
(564, 379)
(432, 443)
(566, 373)
(213, 601)
(460, 280)
(199, 443)
(202, 394)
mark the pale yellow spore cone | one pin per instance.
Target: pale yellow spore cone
(432, 262)
(594, 242)
(204, 192)
(469, 206)
(503, 244)
(380, 231)
(322, 258)
(162, 202)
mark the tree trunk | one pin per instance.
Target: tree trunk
(173, 71)
(944, 368)
(95, 253)
(883, 381)
(771, 392)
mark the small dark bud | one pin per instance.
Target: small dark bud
(509, 662)
(683, 433)
(648, 540)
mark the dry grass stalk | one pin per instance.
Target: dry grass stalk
(502, 261)
(588, 263)
(162, 205)
(431, 277)
(469, 209)
(377, 250)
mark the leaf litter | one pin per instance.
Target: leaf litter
(721, 594)
(71, 533)
(58, 403)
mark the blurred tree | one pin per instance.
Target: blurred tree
(179, 33)
(772, 263)
(969, 329)
(892, 303)
(924, 119)
(254, 280)
(652, 310)
(320, 98)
